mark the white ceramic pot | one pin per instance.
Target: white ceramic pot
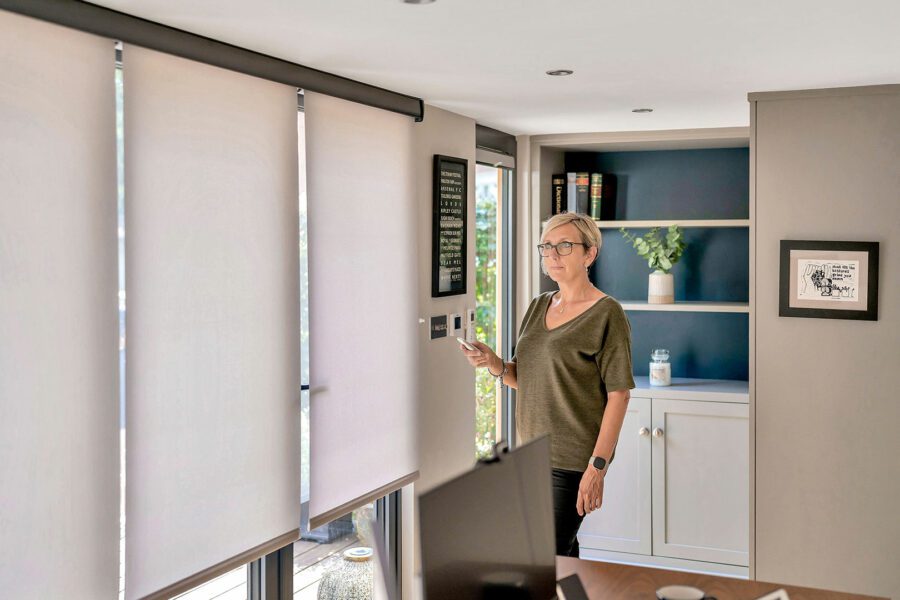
(661, 288)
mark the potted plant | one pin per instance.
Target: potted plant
(661, 255)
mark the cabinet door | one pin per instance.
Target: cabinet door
(701, 487)
(623, 522)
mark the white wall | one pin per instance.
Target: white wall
(447, 382)
(827, 405)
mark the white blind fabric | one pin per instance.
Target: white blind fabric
(59, 409)
(212, 278)
(362, 303)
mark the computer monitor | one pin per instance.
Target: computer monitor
(489, 533)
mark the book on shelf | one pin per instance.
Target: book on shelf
(603, 196)
(558, 194)
(596, 194)
(571, 195)
(582, 192)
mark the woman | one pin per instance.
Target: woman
(572, 370)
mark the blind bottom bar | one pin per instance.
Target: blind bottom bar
(337, 512)
(189, 583)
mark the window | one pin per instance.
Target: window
(492, 207)
(325, 556)
(319, 556)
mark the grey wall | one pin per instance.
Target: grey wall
(827, 401)
(447, 382)
(447, 389)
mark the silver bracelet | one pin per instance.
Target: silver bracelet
(502, 371)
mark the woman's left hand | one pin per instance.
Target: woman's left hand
(590, 491)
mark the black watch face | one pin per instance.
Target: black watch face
(599, 462)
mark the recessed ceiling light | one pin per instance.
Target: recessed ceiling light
(641, 110)
(560, 72)
(417, 1)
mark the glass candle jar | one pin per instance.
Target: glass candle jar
(660, 368)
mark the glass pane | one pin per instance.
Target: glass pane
(323, 561)
(120, 203)
(488, 187)
(304, 312)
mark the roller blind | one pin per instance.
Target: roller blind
(362, 304)
(59, 409)
(212, 282)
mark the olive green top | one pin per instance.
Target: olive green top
(565, 373)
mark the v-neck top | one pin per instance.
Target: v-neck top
(575, 318)
(564, 375)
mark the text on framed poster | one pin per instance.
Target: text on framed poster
(448, 254)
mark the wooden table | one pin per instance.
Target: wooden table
(609, 581)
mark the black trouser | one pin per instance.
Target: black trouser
(565, 513)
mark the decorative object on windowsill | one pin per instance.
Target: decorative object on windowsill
(352, 579)
(661, 255)
(828, 280)
(660, 368)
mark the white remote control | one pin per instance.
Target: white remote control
(467, 345)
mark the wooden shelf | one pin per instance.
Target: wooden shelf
(720, 307)
(667, 222)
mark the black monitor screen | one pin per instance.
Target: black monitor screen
(488, 534)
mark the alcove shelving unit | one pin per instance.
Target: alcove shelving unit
(657, 508)
(698, 179)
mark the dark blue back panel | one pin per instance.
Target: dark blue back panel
(681, 184)
(674, 184)
(704, 345)
(715, 266)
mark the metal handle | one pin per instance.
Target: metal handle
(643, 431)
(658, 433)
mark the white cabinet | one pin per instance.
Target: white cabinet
(623, 522)
(678, 490)
(701, 488)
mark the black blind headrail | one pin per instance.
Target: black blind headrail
(156, 36)
(495, 140)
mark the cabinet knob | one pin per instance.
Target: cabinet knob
(657, 433)
(643, 431)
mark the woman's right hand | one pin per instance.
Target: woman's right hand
(483, 357)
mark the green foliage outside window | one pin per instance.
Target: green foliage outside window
(485, 314)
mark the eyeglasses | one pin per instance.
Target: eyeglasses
(562, 248)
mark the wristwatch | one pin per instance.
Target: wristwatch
(598, 462)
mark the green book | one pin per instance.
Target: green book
(596, 194)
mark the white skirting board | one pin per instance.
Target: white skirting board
(662, 562)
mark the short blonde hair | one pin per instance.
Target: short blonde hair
(586, 226)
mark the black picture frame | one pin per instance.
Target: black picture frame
(450, 184)
(796, 253)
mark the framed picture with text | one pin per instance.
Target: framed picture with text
(448, 238)
(828, 280)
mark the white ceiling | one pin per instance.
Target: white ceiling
(692, 61)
